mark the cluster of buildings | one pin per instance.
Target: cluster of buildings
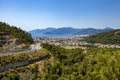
(71, 41)
(63, 41)
(106, 45)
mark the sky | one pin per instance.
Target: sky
(41, 14)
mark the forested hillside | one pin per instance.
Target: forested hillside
(112, 37)
(26, 70)
(14, 33)
(75, 64)
(67, 64)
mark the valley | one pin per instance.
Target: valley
(74, 41)
(59, 39)
(71, 57)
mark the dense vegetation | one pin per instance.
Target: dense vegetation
(74, 64)
(112, 37)
(13, 31)
(71, 64)
(12, 58)
(21, 73)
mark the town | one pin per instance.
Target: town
(76, 41)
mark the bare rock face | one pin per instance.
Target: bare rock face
(4, 37)
(12, 37)
(9, 43)
(35, 47)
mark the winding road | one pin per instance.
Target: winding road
(32, 48)
(22, 63)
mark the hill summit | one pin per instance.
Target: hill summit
(111, 37)
(11, 36)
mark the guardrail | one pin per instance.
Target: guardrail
(22, 63)
(15, 51)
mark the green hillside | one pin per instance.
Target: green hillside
(112, 37)
(66, 64)
(12, 33)
(75, 64)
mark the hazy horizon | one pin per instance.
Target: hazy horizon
(41, 14)
(71, 27)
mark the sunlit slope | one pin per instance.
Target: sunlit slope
(112, 37)
(12, 36)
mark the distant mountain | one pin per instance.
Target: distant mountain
(63, 31)
(111, 37)
(92, 31)
(40, 32)
(66, 31)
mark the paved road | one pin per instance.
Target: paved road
(32, 48)
(35, 47)
(15, 51)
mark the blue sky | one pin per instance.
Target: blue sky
(32, 14)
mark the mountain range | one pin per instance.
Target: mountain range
(66, 31)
